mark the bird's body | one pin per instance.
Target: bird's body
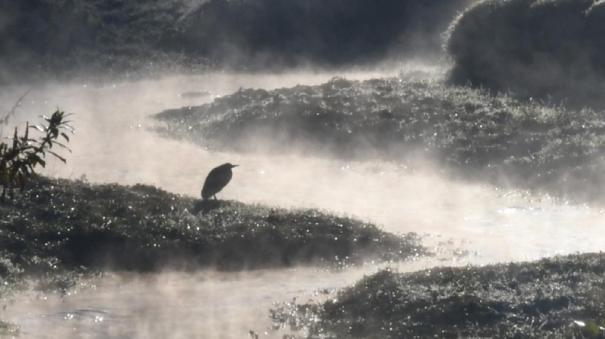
(216, 180)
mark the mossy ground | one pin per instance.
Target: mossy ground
(470, 132)
(57, 229)
(557, 297)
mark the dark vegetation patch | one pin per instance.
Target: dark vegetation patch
(533, 48)
(64, 37)
(496, 138)
(136, 37)
(555, 298)
(60, 226)
(277, 33)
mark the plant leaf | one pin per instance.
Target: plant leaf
(58, 156)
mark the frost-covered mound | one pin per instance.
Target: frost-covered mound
(478, 135)
(272, 33)
(558, 297)
(533, 48)
(59, 225)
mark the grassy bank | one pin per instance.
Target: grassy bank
(60, 226)
(557, 297)
(469, 131)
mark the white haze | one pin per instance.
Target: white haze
(113, 144)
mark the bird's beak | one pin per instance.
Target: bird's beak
(234, 166)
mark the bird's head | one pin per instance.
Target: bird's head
(230, 165)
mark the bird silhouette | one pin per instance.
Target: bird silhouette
(216, 180)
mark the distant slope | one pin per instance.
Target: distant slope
(533, 48)
(64, 37)
(59, 36)
(56, 27)
(469, 131)
(276, 33)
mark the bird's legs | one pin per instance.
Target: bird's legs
(214, 197)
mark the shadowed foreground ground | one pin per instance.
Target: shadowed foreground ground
(561, 297)
(61, 226)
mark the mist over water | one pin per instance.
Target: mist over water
(517, 47)
(114, 143)
(175, 305)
